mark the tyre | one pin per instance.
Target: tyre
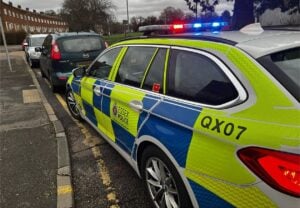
(42, 72)
(72, 105)
(163, 183)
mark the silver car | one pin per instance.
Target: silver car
(33, 41)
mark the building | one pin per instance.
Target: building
(17, 19)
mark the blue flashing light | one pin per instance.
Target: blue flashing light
(216, 24)
(197, 25)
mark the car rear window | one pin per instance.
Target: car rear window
(37, 41)
(81, 44)
(285, 67)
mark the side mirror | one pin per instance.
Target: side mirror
(79, 72)
(38, 49)
(44, 51)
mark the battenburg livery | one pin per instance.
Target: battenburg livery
(206, 119)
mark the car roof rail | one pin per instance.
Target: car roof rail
(188, 36)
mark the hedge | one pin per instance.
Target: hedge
(14, 38)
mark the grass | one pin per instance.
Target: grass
(117, 37)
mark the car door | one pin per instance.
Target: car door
(92, 87)
(129, 104)
(45, 55)
(198, 88)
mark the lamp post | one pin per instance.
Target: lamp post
(127, 16)
(5, 45)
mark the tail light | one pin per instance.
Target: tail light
(281, 170)
(55, 53)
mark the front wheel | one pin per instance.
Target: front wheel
(72, 105)
(162, 180)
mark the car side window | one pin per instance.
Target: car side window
(154, 77)
(47, 44)
(103, 65)
(195, 77)
(134, 64)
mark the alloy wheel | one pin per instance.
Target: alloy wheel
(161, 184)
(72, 104)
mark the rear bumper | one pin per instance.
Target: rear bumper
(60, 79)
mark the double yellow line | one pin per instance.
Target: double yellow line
(90, 140)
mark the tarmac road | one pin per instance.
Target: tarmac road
(100, 176)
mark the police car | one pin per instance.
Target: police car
(207, 119)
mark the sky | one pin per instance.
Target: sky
(142, 8)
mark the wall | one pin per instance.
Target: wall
(15, 19)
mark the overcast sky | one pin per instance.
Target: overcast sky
(136, 7)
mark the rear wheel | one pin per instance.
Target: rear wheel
(163, 182)
(72, 105)
(42, 72)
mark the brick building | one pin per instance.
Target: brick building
(14, 18)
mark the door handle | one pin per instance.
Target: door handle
(97, 90)
(136, 105)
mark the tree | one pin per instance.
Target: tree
(170, 15)
(205, 6)
(50, 12)
(244, 10)
(226, 16)
(86, 15)
(243, 14)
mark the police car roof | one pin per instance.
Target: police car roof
(257, 45)
(252, 38)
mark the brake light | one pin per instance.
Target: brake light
(281, 170)
(55, 53)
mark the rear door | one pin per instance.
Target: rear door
(45, 61)
(78, 50)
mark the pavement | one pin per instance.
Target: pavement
(35, 166)
(11, 48)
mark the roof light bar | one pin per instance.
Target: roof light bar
(197, 25)
(178, 26)
(216, 24)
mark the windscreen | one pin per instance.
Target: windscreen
(81, 44)
(37, 41)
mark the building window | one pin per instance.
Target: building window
(14, 14)
(9, 12)
(5, 12)
(17, 15)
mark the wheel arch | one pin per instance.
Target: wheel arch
(144, 142)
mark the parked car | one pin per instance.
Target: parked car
(62, 52)
(31, 42)
(206, 119)
(24, 44)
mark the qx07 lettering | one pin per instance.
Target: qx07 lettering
(222, 127)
